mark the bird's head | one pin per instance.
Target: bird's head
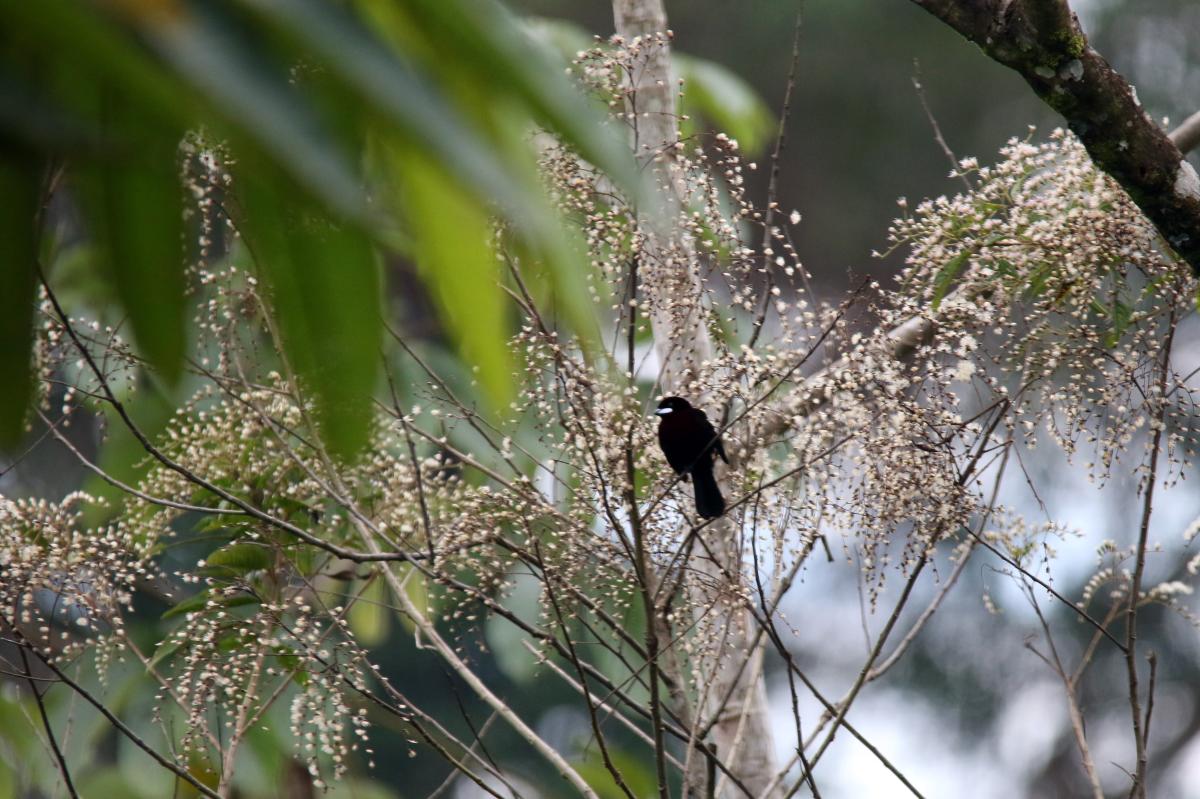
(670, 405)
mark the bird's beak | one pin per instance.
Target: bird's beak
(662, 411)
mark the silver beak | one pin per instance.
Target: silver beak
(662, 411)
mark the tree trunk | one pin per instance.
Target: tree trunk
(734, 701)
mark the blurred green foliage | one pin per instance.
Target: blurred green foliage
(294, 90)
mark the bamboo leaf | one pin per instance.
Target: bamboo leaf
(240, 557)
(197, 602)
(946, 276)
(394, 90)
(325, 292)
(451, 236)
(92, 45)
(138, 215)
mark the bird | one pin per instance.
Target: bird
(691, 445)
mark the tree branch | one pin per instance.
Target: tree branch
(1187, 135)
(59, 759)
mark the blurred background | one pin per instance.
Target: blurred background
(968, 712)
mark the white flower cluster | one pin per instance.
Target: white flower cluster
(62, 584)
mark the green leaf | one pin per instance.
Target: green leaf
(451, 237)
(19, 187)
(731, 103)
(213, 523)
(37, 121)
(8, 780)
(91, 45)
(301, 677)
(240, 557)
(635, 772)
(287, 659)
(368, 617)
(564, 37)
(202, 768)
(190, 605)
(139, 220)
(1151, 288)
(358, 788)
(197, 602)
(325, 291)
(1038, 278)
(1121, 315)
(165, 650)
(206, 63)
(552, 252)
(946, 276)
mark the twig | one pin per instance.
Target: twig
(844, 705)
(1153, 659)
(937, 129)
(416, 465)
(829, 707)
(1050, 589)
(773, 181)
(1187, 135)
(1138, 790)
(774, 633)
(449, 781)
(41, 705)
(933, 606)
(452, 659)
(1078, 727)
(404, 712)
(1043, 41)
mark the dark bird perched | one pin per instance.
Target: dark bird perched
(691, 445)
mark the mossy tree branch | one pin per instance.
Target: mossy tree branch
(1043, 41)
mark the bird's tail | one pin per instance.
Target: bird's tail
(709, 502)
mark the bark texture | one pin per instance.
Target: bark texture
(1043, 42)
